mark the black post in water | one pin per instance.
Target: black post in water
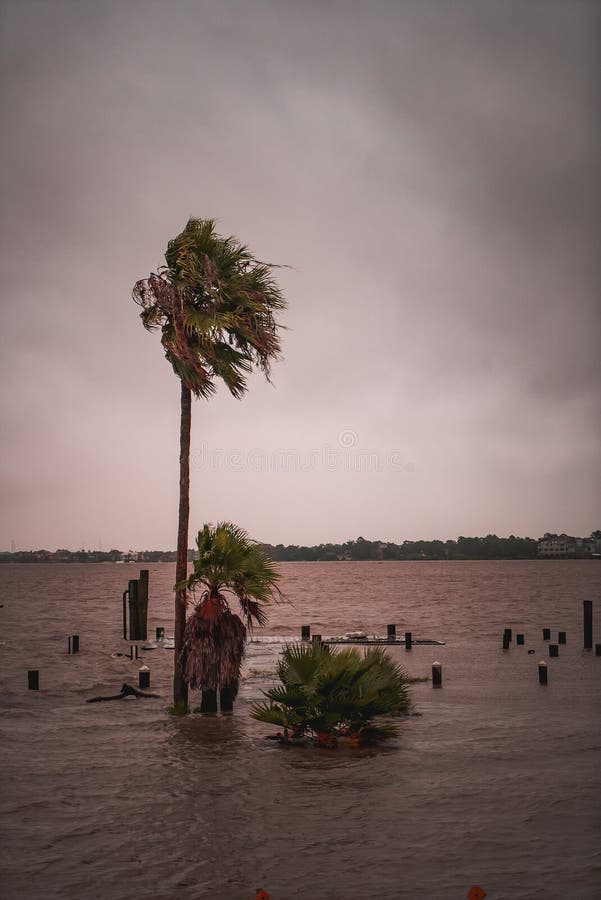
(160, 634)
(143, 677)
(553, 650)
(132, 591)
(519, 638)
(391, 632)
(506, 642)
(436, 675)
(561, 637)
(133, 651)
(125, 593)
(316, 640)
(226, 699)
(305, 632)
(74, 643)
(408, 640)
(597, 649)
(542, 672)
(208, 702)
(143, 605)
(587, 608)
(546, 634)
(33, 680)
(508, 634)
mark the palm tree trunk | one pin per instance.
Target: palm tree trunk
(180, 688)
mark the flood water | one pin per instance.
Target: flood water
(496, 782)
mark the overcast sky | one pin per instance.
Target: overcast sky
(428, 170)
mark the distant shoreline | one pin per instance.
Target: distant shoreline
(142, 562)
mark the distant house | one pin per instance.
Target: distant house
(564, 546)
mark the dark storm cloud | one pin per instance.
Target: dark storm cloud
(429, 170)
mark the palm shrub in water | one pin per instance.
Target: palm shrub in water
(335, 695)
(228, 564)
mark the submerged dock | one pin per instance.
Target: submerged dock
(361, 638)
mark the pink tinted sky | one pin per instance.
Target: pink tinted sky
(430, 174)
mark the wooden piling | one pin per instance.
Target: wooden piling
(546, 634)
(159, 634)
(132, 592)
(519, 639)
(73, 643)
(587, 609)
(553, 650)
(508, 634)
(542, 672)
(305, 632)
(561, 637)
(436, 674)
(391, 631)
(125, 594)
(506, 640)
(408, 640)
(143, 605)
(316, 640)
(597, 649)
(33, 679)
(143, 677)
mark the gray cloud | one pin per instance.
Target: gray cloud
(430, 172)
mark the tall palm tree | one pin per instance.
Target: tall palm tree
(215, 305)
(228, 563)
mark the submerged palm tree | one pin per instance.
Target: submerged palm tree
(335, 694)
(228, 563)
(214, 303)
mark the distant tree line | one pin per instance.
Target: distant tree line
(489, 547)
(89, 556)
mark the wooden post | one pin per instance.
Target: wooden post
(133, 651)
(553, 650)
(33, 679)
(143, 677)
(73, 643)
(436, 674)
(125, 593)
(519, 639)
(587, 608)
(316, 640)
(408, 640)
(506, 642)
(226, 699)
(305, 632)
(132, 591)
(546, 634)
(143, 605)
(391, 632)
(508, 634)
(542, 672)
(561, 637)
(597, 649)
(160, 634)
(208, 701)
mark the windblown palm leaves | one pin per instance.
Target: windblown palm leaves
(229, 563)
(215, 306)
(214, 303)
(335, 694)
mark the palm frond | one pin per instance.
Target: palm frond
(212, 295)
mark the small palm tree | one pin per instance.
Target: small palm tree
(335, 695)
(215, 305)
(228, 563)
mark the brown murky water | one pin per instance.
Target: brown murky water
(496, 782)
